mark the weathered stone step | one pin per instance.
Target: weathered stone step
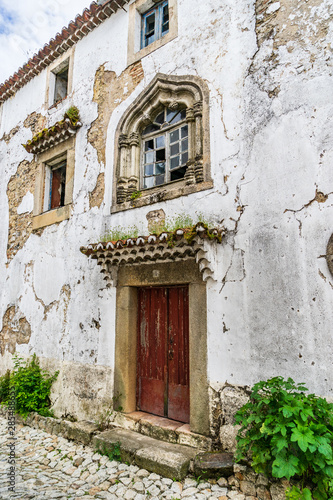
(162, 429)
(167, 459)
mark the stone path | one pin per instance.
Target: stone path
(49, 467)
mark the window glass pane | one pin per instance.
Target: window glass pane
(160, 168)
(149, 145)
(148, 182)
(174, 149)
(185, 145)
(178, 174)
(184, 131)
(174, 136)
(160, 155)
(170, 115)
(149, 157)
(174, 162)
(149, 40)
(159, 180)
(165, 19)
(150, 24)
(160, 118)
(184, 158)
(183, 114)
(149, 169)
(176, 118)
(160, 142)
(151, 128)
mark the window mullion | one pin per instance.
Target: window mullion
(167, 156)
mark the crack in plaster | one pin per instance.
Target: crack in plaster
(320, 197)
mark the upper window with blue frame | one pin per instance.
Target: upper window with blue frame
(155, 23)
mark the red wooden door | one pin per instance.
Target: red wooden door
(163, 352)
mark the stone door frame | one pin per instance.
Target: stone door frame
(130, 278)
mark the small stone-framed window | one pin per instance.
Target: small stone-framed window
(54, 184)
(59, 79)
(163, 143)
(155, 23)
(152, 24)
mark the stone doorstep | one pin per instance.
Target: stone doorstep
(167, 459)
(162, 429)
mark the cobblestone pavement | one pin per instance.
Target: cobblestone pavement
(49, 467)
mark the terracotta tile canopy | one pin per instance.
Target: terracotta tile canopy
(165, 247)
(77, 29)
(52, 136)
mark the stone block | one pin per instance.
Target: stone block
(166, 463)
(82, 432)
(213, 464)
(228, 435)
(232, 399)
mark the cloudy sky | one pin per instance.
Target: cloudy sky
(26, 25)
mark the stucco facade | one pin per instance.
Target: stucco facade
(265, 307)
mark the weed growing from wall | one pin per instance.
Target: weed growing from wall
(32, 387)
(289, 434)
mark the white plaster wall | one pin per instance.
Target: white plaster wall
(268, 158)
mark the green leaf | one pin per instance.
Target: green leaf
(284, 466)
(303, 436)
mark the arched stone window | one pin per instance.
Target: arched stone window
(163, 143)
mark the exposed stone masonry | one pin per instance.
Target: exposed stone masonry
(15, 330)
(20, 225)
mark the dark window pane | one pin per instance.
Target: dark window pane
(176, 118)
(178, 174)
(149, 145)
(160, 142)
(159, 180)
(184, 131)
(149, 157)
(165, 27)
(174, 162)
(183, 114)
(185, 145)
(160, 155)
(150, 24)
(149, 169)
(184, 158)
(174, 136)
(160, 118)
(151, 128)
(160, 168)
(170, 115)
(174, 149)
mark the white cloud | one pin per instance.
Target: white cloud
(27, 25)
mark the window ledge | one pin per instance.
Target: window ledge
(162, 193)
(51, 217)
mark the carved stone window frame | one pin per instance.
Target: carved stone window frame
(164, 91)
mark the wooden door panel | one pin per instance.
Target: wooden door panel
(152, 344)
(178, 355)
(179, 403)
(163, 352)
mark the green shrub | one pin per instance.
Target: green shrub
(288, 434)
(32, 387)
(4, 387)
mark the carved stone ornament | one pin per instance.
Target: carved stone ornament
(329, 254)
